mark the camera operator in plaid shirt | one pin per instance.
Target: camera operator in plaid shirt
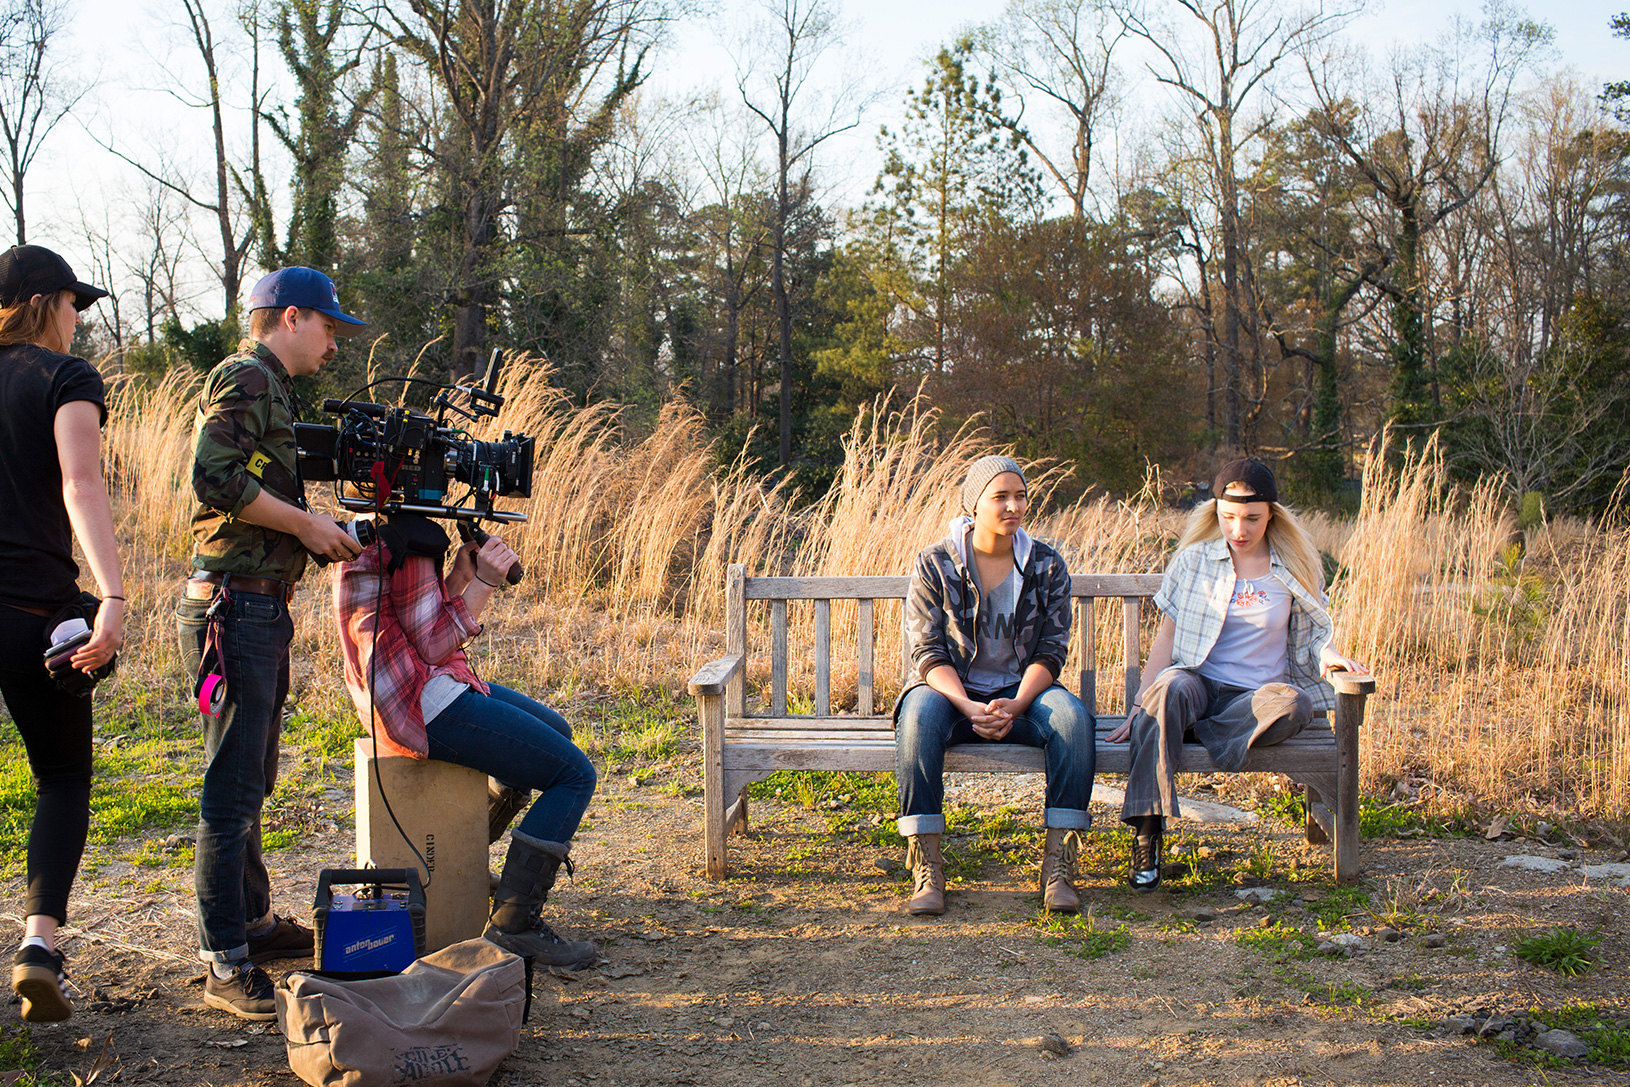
(403, 628)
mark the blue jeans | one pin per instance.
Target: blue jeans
(525, 745)
(926, 724)
(240, 770)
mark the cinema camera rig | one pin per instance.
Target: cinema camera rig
(408, 460)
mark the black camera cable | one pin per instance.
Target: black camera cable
(373, 715)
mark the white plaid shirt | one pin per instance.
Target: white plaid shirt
(1195, 593)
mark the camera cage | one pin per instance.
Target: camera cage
(387, 440)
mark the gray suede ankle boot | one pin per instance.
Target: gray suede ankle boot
(529, 874)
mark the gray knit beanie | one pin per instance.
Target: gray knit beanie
(983, 471)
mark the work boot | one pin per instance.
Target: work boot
(503, 805)
(529, 873)
(1149, 832)
(1058, 871)
(927, 874)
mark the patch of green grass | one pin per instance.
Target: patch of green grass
(18, 1053)
(331, 736)
(1328, 994)
(1376, 817)
(1566, 951)
(1198, 864)
(645, 725)
(1338, 904)
(1080, 934)
(1259, 864)
(1594, 1024)
(1278, 941)
(1176, 925)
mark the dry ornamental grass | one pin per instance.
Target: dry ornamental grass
(1502, 680)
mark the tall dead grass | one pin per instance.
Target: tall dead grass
(1499, 681)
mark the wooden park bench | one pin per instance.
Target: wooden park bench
(739, 748)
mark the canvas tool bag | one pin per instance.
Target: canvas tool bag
(448, 1020)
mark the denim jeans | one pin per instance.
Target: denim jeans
(525, 745)
(1056, 722)
(240, 770)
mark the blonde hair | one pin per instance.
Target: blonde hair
(28, 322)
(1285, 535)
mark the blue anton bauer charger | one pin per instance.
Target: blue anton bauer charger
(374, 932)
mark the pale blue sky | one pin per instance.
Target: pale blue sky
(133, 44)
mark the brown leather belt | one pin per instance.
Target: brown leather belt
(204, 583)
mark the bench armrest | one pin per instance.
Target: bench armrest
(1352, 683)
(712, 677)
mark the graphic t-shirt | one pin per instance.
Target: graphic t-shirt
(995, 661)
(1250, 651)
(37, 567)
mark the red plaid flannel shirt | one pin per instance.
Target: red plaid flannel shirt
(421, 633)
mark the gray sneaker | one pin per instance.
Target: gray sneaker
(247, 994)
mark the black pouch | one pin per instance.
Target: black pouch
(63, 674)
(412, 534)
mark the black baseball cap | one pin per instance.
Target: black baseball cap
(1249, 473)
(27, 270)
(306, 288)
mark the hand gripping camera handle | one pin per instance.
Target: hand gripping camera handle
(469, 530)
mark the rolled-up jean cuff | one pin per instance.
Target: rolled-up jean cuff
(261, 926)
(224, 957)
(921, 824)
(1067, 818)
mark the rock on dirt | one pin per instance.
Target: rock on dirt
(1563, 1043)
(1535, 864)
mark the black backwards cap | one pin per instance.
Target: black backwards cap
(1253, 474)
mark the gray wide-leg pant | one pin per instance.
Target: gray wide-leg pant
(1228, 721)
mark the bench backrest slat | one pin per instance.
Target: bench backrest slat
(1132, 589)
(1132, 615)
(823, 657)
(778, 659)
(863, 675)
(1086, 621)
(735, 635)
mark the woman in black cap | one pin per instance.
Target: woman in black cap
(1241, 653)
(51, 416)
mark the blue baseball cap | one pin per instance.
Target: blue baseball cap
(307, 288)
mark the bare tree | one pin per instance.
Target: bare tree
(730, 223)
(553, 72)
(1059, 52)
(1220, 58)
(228, 199)
(34, 96)
(1427, 140)
(774, 79)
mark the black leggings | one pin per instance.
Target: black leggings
(56, 730)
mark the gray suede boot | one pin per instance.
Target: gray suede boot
(529, 873)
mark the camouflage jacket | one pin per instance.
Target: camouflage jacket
(243, 442)
(942, 607)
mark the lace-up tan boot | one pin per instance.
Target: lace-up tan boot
(1058, 871)
(927, 874)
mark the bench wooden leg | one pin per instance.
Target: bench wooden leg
(710, 711)
(1349, 715)
(1312, 809)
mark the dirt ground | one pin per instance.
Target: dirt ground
(800, 970)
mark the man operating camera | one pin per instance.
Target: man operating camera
(252, 535)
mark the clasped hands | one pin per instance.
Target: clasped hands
(994, 719)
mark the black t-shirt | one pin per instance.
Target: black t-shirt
(37, 566)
